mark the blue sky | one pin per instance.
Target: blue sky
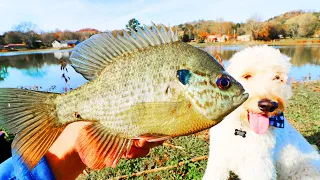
(103, 15)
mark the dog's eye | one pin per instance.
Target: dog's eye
(277, 77)
(247, 76)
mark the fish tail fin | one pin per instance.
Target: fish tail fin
(99, 148)
(31, 116)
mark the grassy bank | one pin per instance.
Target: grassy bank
(281, 42)
(185, 157)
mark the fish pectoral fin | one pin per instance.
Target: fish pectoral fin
(30, 115)
(99, 148)
(156, 111)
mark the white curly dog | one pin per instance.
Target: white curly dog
(255, 141)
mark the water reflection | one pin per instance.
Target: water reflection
(60, 55)
(305, 59)
(38, 71)
(34, 72)
(3, 73)
(42, 70)
(301, 55)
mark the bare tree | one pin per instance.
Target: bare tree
(25, 27)
(28, 34)
(253, 25)
(47, 38)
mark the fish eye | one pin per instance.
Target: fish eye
(223, 82)
(183, 75)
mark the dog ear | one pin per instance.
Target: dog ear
(288, 92)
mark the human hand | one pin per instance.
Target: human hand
(65, 161)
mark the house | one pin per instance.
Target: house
(64, 44)
(244, 38)
(223, 38)
(211, 38)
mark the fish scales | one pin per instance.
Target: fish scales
(159, 88)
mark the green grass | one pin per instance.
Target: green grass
(303, 112)
(8, 137)
(161, 157)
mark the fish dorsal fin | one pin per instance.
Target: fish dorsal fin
(91, 56)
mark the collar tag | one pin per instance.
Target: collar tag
(239, 132)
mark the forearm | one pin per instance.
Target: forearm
(62, 157)
(67, 167)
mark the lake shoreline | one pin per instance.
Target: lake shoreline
(281, 42)
(37, 50)
(252, 43)
(34, 51)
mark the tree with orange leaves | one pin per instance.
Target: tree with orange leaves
(57, 35)
(202, 34)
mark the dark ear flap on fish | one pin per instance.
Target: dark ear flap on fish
(99, 148)
(31, 116)
(91, 56)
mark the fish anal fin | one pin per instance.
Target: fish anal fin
(99, 148)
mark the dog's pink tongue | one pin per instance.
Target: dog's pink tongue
(259, 123)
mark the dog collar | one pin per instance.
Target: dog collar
(277, 121)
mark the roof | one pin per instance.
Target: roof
(69, 42)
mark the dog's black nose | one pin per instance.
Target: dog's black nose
(266, 105)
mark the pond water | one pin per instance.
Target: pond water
(304, 59)
(41, 70)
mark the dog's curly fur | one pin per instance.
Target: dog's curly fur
(279, 153)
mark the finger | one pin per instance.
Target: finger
(136, 152)
(143, 143)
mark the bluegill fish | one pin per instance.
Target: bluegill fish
(144, 84)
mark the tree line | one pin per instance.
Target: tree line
(293, 24)
(26, 32)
